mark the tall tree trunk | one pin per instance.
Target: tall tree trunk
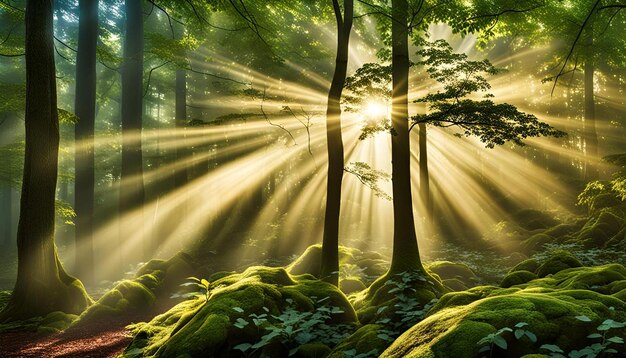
(6, 217)
(425, 194)
(132, 193)
(180, 177)
(85, 108)
(405, 251)
(589, 126)
(42, 285)
(330, 243)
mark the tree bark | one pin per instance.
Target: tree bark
(330, 242)
(85, 108)
(6, 217)
(405, 254)
(132, 193)
(425, 195)
(42, 285)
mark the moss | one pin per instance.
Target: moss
(558, 261)
(364, 340)
(219, 275)
(454, 284)
(453, 330)
(517, 278)
(368, 301)
(562, 230)
(126, 296)
(351, 285)
(449, 270)
(353, 262)
(531, 219)
(527, 265)
(312, 350)
(199, 328)
(536, 242)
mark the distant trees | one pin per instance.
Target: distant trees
(85, 110)
(42, 284)
(330, 242)
(132, 193)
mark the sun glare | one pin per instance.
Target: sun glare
(376, 109)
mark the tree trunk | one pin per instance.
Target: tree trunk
(132, 193)
(589, 126)
(85, 108)
(42, 285)
(405, 251)
(180, 177)
(6, 218)
(330, 243)
(425, 195)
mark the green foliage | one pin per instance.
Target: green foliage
(498, 338)
(494, 124)
(369, 177)
(203, 286)
(64, 212)
(292, 328)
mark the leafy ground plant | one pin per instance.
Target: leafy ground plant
(498, 339)
(293, 328)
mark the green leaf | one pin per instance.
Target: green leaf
(521, 324)
(618, 340)
(594, 335)
(552, 348)
(500, 342)
(531, 336)
(204, 283)
(243, 347)
(133, 352)
(583, 318)
(238, 309)
(519, 333)
(67, 117)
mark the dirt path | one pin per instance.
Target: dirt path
(102, 340)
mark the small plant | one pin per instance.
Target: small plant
(292, 327)
(605, 345)
(497, 338)
(203, 289)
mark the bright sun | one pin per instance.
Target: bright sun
(376, 109)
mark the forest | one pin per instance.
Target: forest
(313, 178)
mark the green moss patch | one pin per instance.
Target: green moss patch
(366, 266)
(240, 309)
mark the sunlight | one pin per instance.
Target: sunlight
(376, 109)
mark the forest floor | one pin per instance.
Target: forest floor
(107, 338)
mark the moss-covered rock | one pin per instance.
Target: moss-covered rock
(454, 284)
(351, 285)
(205, 328)
(527, 265)
(56, 322)
(518, 277)
(558, 261)
(365, 340)
(531, 219)
(536, 242)
(354, 263)
(452, 270)
(453, 330)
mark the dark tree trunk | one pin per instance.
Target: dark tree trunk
(6, 217)
(405, 251)
(132, 193)
(330, 243)
(425, 194)
(85, 108)
(42, 285)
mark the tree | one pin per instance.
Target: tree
(85, 109)
(42, 284)
(330, 242)
(132, 194)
